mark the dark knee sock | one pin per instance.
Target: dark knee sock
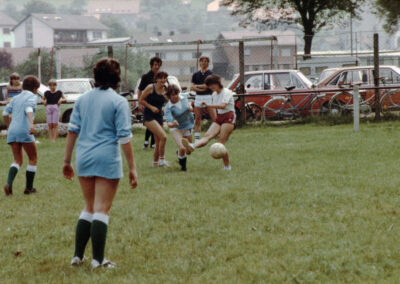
(12, 172)
(82, 233)
(98, 235)
(30, 176)
(152, 138)
(182, 162)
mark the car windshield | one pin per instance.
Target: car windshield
(233, 81)
(325, 74)
(305, 80)
(73, 87)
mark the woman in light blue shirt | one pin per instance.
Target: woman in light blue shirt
(180, 120)
(20, 133)
(101, 122)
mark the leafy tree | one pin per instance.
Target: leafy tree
(11, 10)
(313, 15)
(117, 27)
(6, 60)
(38, 6)
(390, 10)
(76, 7)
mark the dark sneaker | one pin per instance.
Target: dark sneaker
(8, 190)
(182, 162)
(30, 191)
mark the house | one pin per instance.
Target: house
(48, 30)
(178, 60)
(258, 55)
(6, 34)
(128, 12)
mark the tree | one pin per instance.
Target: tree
(76, 7)
(38, 6)
(117, 27)
(390, 11)
(313, 15)
(11, 10)
(6, 61)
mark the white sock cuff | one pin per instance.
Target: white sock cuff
(31, 168)
(86, 216)
(101, 217)
(197, 134)
(15, 165)
(181, 157)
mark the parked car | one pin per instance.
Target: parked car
(72, 90)
(342, 101)
(259, 86)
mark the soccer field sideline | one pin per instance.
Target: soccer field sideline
(302, 203)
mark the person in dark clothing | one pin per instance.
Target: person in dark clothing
(153, 99)
(147, 79)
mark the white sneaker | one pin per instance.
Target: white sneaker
(163, 163)
(155, 164)
(189, 146)
(76, 261)
(227, 168)
(106, 264)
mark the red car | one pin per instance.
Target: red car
(342, 101)
(268, 83)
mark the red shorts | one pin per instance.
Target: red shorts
(228, 117)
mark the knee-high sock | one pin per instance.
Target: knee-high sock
(30, 176)
(82, 233)
(147, 135)
(98, 235)
(12, 172)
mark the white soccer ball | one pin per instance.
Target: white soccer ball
(218, 150)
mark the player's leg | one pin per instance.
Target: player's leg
(55, 133)
(105, 190)
(161, 138)
(56, 117)
(197, 123)
(16, 149)
(30, 149)
(212, 132)
(146, 139)
(84, 224)
(178, 135)
(226, 130)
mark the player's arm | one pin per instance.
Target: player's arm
(128, 151)
(29, 113)
(198, 88)
(142, 100)
(68, 171)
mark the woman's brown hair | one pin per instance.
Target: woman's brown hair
(14, 76)
(30, 83)
(213, 79)
(160, 75)
(172, 90)
(107, 74)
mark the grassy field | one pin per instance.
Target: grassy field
(302, 204)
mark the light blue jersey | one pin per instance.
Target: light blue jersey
(19, 106)
(180, 112)
(102, 120)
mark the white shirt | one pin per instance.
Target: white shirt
(224, 97)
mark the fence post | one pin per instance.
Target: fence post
(39, 65)
(272, 55)
(126, 68)
(58, 63)
(110, 51)
(376, 77)
(356, 108)
(51, 63)
(242, 87)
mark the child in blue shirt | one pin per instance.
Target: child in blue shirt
(180, 120)
(101, 123)
(20, 133)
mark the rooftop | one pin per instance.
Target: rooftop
(5, 20)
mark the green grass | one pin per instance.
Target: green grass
(302, 204)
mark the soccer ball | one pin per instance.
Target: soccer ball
(217, 150)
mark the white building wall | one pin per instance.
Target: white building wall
(43, 35)
(20, 36)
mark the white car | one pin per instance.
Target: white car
(74, 88)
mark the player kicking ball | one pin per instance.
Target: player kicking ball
(180, 120)
(223, 125)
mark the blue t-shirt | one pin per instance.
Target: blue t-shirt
(18, 130)
(198, 79)
(180, 112)
(101, 118)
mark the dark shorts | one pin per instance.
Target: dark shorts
(228, 117)
(149, 116)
